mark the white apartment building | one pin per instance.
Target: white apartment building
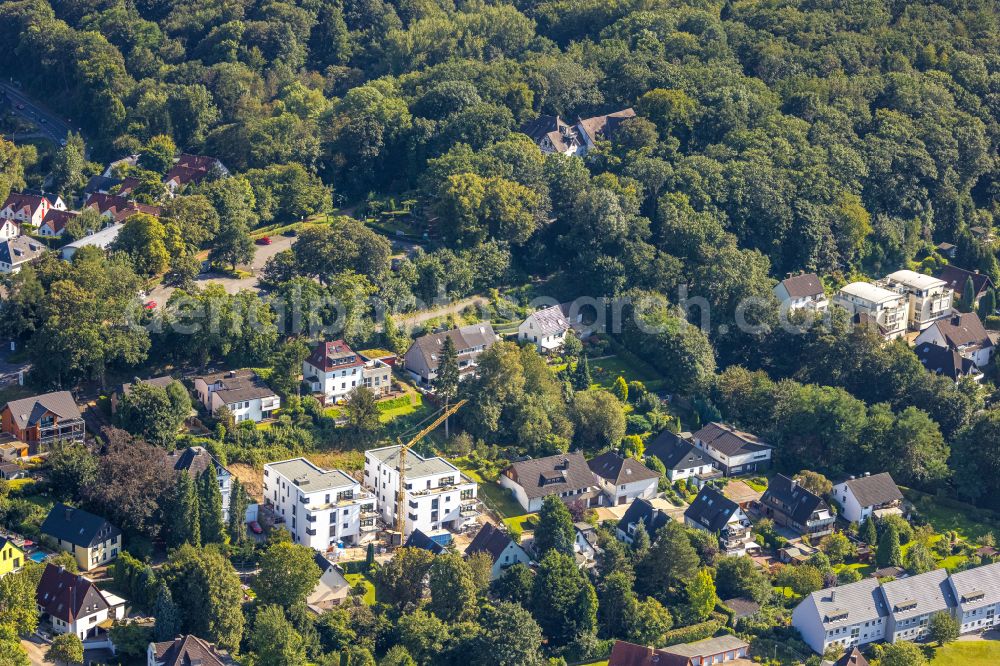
(242, 391)
(900, 610)
(320, 508)
(437, 494)
(929, 298)
(872, 304)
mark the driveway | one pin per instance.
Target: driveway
(262, 253)
(416, 318)
(8, 369)
(36, 651)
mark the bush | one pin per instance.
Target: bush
(636, 424)
(696, 632)
(992, 322)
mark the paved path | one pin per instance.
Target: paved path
(414, 319)
(262, 253)
(36, 653)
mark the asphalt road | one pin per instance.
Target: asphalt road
(49, 124)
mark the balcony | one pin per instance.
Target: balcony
(469, 511)
(311, 531)
(373, 527)
(371, 513)
(70, 430)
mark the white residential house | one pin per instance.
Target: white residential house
(802, 292)
(321, 508)
(100, 239)
(872, 305)
(844, 616)
(641, 512)
(334, 370)
(545, 328)
(242, 391)
(565, 475)
(911, 601)
(29, 209)
(195, 460)
(963, 333)
(498, 545)
(733, 451)
(682, 459)
(977, 594)
(9, 229)
(623, 480)
(867, 495)
(73, 604)
(18, 252)
(55, 221)
(713, 512)
(929, 298)
(436, 495)
(585, 545)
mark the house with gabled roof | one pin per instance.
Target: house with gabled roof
(962, 332)
(73, 604)
(956, 279)
(787, 503)
(912, 600)
(92, 540)
(332, 588)
(43, 419)
(9, 229)
(600, 128)
(844, 616)
(501, 549)
(11, 557)
(29, 208)
(552, 135)
(545, 328)
(867, 495)
(18, 252)
(641, 512)
(55, 221)
(803, 291)
(977, 595)
(422, 358)
(621, 479)
(101, 239)
(713, 512)
(731, 450)
(188, 650)
(241, 391)
(565, 475)
(947, 362)
(195, 460)
(334, 370)
(682, 459)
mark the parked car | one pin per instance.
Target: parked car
(150, 305)
(264, 240)
(255, 527)
(289, 233)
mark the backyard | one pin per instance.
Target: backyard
(355, 578)
(968, 653)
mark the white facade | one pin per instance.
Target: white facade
(929, 298)
(815, 301)
(851, 508)
(735, 538)
(436, 495)
(845, 616)
(546, 329)
(626, 493)
(240, 391)
(888, 309)
(320, 507)
(9, 229)
(977, 353)
(511, 555)
(977, 595)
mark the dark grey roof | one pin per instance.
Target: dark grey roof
(741, 606)
(787, 496)
(956, 278)
(194, 460)
(977, 587)
(874, 490)
(466, 339)
(189, 651)
(28, 411)
(728, 440)
(711, 509)
(803, 286)
(21, 249)
(238, 385)
(420, 540)
(964, 329)
(162, 382)
(676, 453)
(852, 657)
(641, 509)
(78, 527)
(917, 595)
(944, 361)
(552, 475)
(618, 469)
(491, 540)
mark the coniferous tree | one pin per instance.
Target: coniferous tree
(869, 534)
(210, 507)
(183, 519)
(238, 502)
(988, 304)
(889, 553)
(555, 529)
(168, 617)
(446, 383)
(581, 375)
(968, 299)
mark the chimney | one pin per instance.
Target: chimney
(69, 513)
(833, 595)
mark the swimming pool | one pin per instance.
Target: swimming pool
(38, 555)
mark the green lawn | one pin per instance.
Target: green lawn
(864, 569)
(605, 371)
(500, 499)
(389, 410)
(945, 518)
(354, 578)
(525, 522)
(968, 653)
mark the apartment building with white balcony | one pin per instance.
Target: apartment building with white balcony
(241, 391)
(872, 305)
(928, 298)
(320, 508)
(436, 494)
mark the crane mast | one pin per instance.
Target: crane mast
(403, 450)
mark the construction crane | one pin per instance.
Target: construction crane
(403, 450)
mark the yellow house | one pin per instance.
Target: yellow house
(11, 557)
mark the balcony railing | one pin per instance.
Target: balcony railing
(73, 429)
(311, 531)
(370, 528)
